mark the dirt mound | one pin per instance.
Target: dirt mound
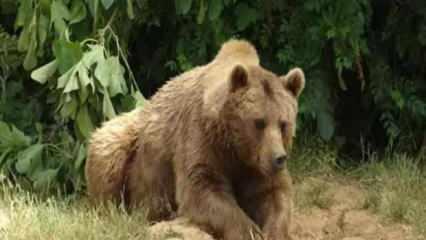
(341, 217)
(344, 217)
(348, 225)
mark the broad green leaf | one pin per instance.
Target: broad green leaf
(29, 158)
(59, 13)
(63, 80)
(5, 133)
(19, 138)
(127, 103)
(24, 40)
(68, 97)
(107, 3)
(30, 60)
(11, 137)
(331, 33)
(59, 10)
(83, 76)
(42, 30)
(246, 16)
(130, 10)
(3, 155)
(78, 11)
(102, 73)
(44, 73)
(25, 13)
(95, 55)
(80, 157)
(139, 98)
(72, 83)
(398, 98)
(45, 6)
(110, 74)
(75, 78)
(84, 123)
(202, 12)
(183, 6)
(83, 94)
(67, 54)
(93, 7)
(215, 9)
(325, 124)
(60, 26)
(43, 178)
(117, 81)
(107, 107)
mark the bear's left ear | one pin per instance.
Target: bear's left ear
(294, 81)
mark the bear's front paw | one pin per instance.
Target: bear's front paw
(247, 232)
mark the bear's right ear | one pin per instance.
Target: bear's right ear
(216, 95)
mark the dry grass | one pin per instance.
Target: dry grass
(313, 193)
(31, 218)
(396, 190)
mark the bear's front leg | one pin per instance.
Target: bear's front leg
(206, 199)
(276, 209)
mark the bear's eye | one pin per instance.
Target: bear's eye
(260, 124)
(283, 126)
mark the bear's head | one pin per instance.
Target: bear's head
(259, 110)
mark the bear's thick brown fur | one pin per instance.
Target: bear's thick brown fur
(211, 145)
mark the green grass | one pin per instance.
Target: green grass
(312, 157)
(40, 219)
(396, 190)
(313, 193)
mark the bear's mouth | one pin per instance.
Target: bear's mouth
(262, 168)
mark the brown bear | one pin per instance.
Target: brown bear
(211, 145)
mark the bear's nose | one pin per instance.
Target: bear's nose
(279, 162)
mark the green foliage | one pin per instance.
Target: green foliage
(87, 80)
(82, 72)
(44, 165)
(183, 6)
(364, 63)
(9, 58)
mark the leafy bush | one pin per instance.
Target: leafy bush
(43, 164)
(87, 60)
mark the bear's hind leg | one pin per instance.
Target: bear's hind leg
(151, 185)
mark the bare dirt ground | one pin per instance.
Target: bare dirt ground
(345, 217)
(338, 214)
